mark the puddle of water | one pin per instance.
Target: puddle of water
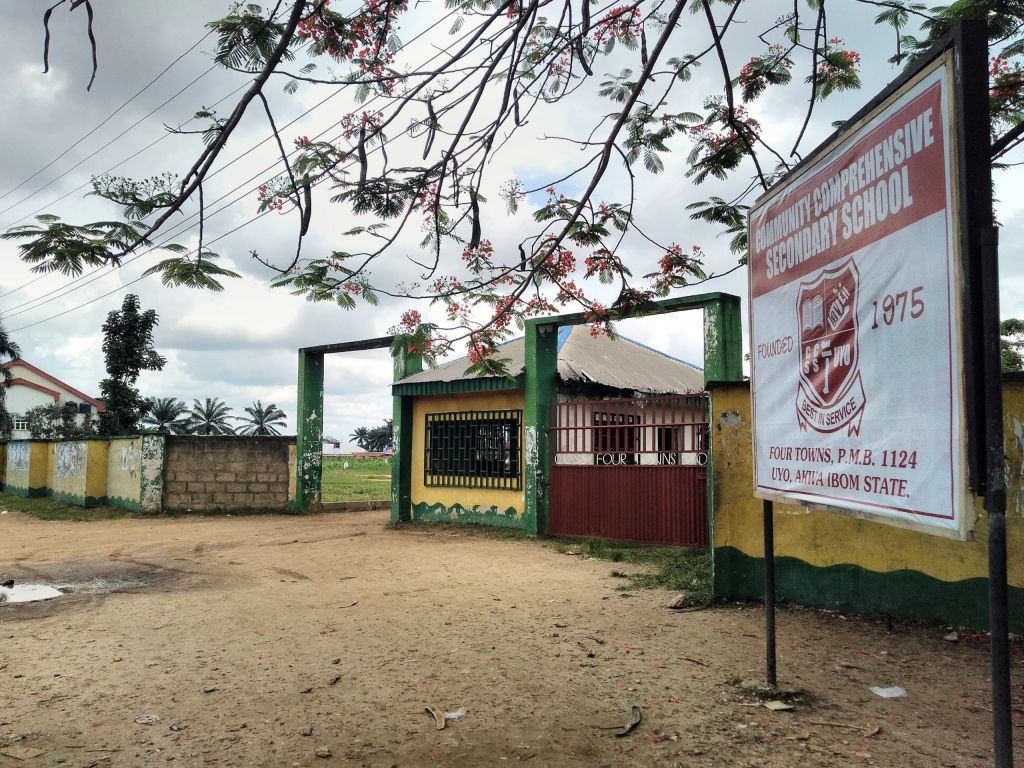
(28, 593)
(101, 586)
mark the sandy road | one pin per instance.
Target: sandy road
(247, 632)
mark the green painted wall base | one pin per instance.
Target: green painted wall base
(439, 513)
(904, 594)
(77, 501)
(117, 501)
(25, 491)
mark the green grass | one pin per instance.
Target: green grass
(678, 569)
(367, 479)
(458, 529)
(49, 509)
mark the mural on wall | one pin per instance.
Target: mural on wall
(70, 459)
(129, 459)
(17, 456)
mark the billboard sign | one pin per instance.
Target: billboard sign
(856, 348)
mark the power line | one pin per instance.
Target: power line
(111, 115)
(95, 152)
(121, 162)
(222, 208)
(23, 285)
(114, 167)
(163, 243)
(136, 280)
(60, 289)
(125, 160)
(175, 232)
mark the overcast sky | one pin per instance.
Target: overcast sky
(240, 345)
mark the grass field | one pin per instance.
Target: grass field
(49, 509)
(363, 480)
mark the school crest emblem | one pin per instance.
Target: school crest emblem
(830, 393)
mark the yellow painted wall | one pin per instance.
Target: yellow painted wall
(96, 469)
(466, 497)
(124, 469)
(292, 453)
(33, 477)
(82, 472)
(17, 476)
(825, 538)
(63, 481)
(38, 465)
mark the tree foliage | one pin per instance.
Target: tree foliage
(210, 417)
(56, 421)
(377, 439)
(8, 349)
(261, 420)
(128, 349)
(165, 415)
(416, 156)
(1011, 345)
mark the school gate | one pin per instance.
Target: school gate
(630, 469)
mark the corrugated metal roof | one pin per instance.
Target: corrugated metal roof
(620, 363)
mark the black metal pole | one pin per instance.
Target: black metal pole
(999, 627)
(769, 593)
(995, 503)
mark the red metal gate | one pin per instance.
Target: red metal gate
(630, 469)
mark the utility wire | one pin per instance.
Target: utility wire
(125, 160)
(23, 285)
(60, 290)
(136, 280)
(114, 167)
(170, 237)
(111, 115)
(222, 208)
(95, 152)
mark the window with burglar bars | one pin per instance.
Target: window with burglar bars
(473, 449)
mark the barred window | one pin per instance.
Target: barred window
(670, 445)
(473, 449)
(19, 423)
(616, 439)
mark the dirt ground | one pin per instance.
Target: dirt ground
(241, 634)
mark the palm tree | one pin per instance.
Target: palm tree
(262, 420)
(165, 415)
(10, 350)
(209, 418)
(380, 438)
(360, 437)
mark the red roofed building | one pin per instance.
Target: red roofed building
(33, 386)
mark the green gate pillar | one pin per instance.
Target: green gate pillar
(402, 429)
(723, 362)
(309, 430)
(541, 388)
(723, 339)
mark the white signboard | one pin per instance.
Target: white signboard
(855, 342)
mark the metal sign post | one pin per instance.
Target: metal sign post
(771, 676)
(995, 505)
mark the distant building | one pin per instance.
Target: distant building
(32, 387)
(335, 447)
(627, 441)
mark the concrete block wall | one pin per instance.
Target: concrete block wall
(215, 473)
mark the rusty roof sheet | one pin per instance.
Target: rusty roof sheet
(620, 363)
